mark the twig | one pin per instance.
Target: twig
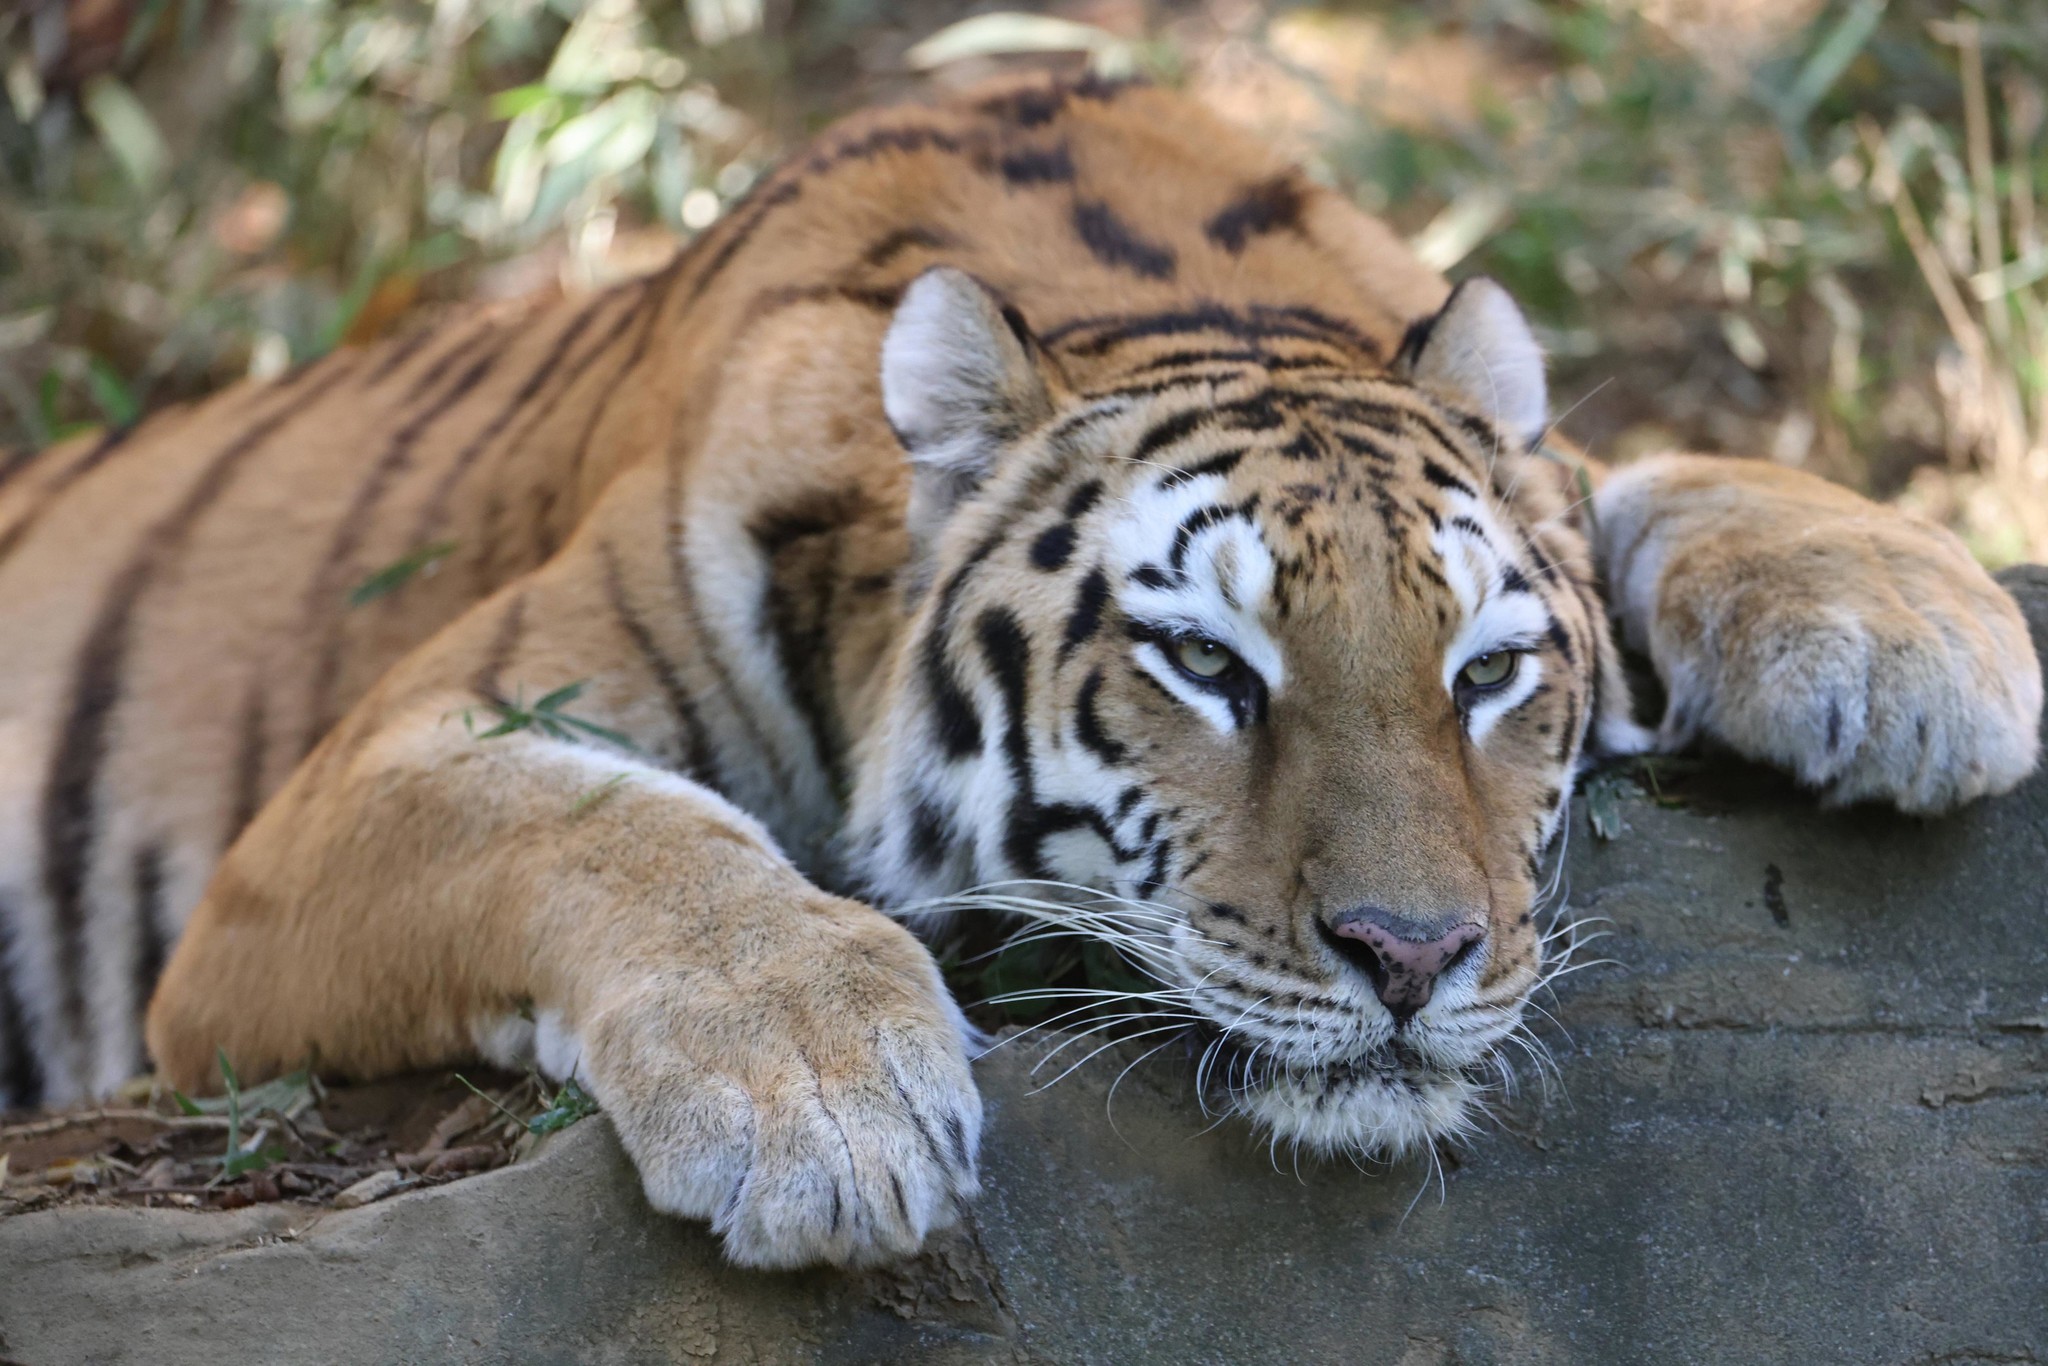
(57, 1124)
(1889, 184)
(1967, 39)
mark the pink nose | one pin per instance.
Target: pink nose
(1404, 957)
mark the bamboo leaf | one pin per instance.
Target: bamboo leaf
(399, 572)
(128, 131)
(1007, 32)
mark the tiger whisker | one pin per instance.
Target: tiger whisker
(1072, 1068)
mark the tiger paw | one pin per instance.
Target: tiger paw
(1857, 646)
(833, 1132)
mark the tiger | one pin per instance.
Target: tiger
(1040, 496)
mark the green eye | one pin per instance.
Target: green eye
(1490, 670)
(1204, 659)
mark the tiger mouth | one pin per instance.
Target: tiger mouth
(1384, 1102)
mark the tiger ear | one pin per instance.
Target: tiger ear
(1478, 349)
(959, 382)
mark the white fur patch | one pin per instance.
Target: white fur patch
(1492, 618)
(1219, 591)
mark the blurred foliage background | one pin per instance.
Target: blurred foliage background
(1802, 229)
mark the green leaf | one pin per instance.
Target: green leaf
(1106, 968)
(50, 396)
(510, 104)
(605, 733)
(1024, 967)
(547, 717)
(510, 722)
(1829, 59)
(285, 1095)
(236, 1164)
(128, 131)
(568, 692)
(1603, 803)
(571, 1103)
(113, 398)
(597, 795)
(400, 571)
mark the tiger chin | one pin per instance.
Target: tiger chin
(1043, 503)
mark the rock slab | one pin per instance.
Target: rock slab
(1802, 1117)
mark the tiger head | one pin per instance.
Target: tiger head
(1277, 662)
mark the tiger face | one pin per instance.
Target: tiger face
(1288, 663)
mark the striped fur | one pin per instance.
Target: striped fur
(1165, 395)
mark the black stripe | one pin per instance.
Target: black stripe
(1116, 243)
(402, 349)
(902, 240)
(1270, 206)
(1167, 432)
(1088, 722)
(1201, 355)
(1053, 547)
(928, 841)
(769, 194)
(775, 529)
(877, 298)
(699, 762)
(21, 1072)
(326, 597)
(784, 776)
(487, 331)
(1259, 322)
(1087, 615)
(573, 480)
(251, 745)
(70, 815)
(436, 506)
(1221, 463)
(504, 642)
(1008, 656)
(1369, 449)
(1037, 165)
(785, 186)
(1444, 479)
(151, 941)
(801, 544)
(1036, 106)
(44, 498)
(959, 727)
(1200, 520)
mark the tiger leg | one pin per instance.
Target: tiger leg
(783, 1062)
(1856, 645)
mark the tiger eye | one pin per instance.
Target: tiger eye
(1204, 658)
(1491, 670)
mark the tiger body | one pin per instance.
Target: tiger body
(889, 534)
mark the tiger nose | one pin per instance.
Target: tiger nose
(1403, 957)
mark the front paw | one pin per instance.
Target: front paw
(808, 1123)
(1860, 648)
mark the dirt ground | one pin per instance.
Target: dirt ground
(296, 1140)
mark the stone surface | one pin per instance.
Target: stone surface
(1802, 1118)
